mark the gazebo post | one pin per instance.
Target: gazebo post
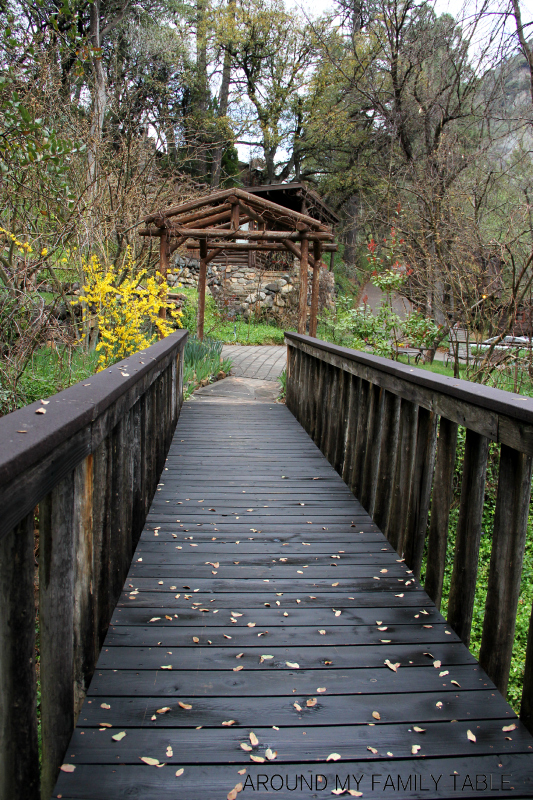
(317, 254)
(163, 268)
(201, 289)
(302, 308)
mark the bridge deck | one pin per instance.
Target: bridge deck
(264, 599)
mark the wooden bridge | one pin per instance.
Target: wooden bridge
(268, 639)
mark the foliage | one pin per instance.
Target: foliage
(217, 326)
(282, 379)
(125, 306)
(202, 362)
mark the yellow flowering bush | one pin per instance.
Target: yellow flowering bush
(23, 247)
(125, 305)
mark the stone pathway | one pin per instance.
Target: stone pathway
(263, 362)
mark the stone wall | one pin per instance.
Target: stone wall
(243, 290)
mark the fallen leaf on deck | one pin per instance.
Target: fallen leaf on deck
(415, 748)
(292, 664)
(67, 767)
(154, 619)
(246, 747)
(258, 759)
(253, 739)
(169, 752)
(186, 706)
(104, 705)
(376, 715)
(418, 730)
(163, 710)
(195, 639)
(228, 722)
(437, 664)
(393, 667)
(372, 750)
(456, 684)
(322, 689)
(470, 736)
(311, 702)
(119, 736)
(152, 762)
(179, 772)
(507, 728)
(297, 706)
(270, 754)
(333, 757)
(322, 631)
(237, 669)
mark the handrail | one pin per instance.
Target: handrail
(87, 470)
(391, 431)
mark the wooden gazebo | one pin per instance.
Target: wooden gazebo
(233, 220)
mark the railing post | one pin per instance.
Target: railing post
(371, 462)
(387, 462)
(356, 481)
(465, 565)
(56, 615)
(508, 544)
(351, 426)
(526, 709)
(19, 752)
(403, 475)
(440, 509)
(421, 489)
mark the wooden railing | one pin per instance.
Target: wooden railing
(391, 431)
(83, 474)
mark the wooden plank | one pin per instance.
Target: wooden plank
(387, 461)
(199, 781)
(465, 565)
(19, 752)
(317, 255)
(505, 573)
(422, 482)
(371, 460)
(440, 509)
(56, 615)
(403, 475)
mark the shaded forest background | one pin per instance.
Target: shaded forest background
(417, 128)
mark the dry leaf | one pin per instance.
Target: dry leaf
(376, 715)
(104, 705)
(470, 736)
(168, 666)
(372, 750)
(415, 748)
(418, 730)
(232, 795)
(297, 706)
(119, 736)
(163, 710)
(333, 757)
(186, 706)
(270, 754)
(312, 702)
(152, 762)
(195, 639)
(238, 669)
(507, 728)
(246, 747)
(228, 722)
(321, 689)
(258, 759)
(179, 772)
(393, 667)
(241, 771)
(437, 664)
(251, 624)
(439, 704)
(169, 752)
(456, 684)
(43, 411)
(337, 613)
(443, 673)
(154, 619)
(253, 739)
(67, 767)
(335, 584)
(398, 595)
(383, 628)
(292, 664)
(239, 655)
(105, 724)
(322, 632)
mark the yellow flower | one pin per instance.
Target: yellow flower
(44, 251)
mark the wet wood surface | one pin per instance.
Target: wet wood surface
(261, 595)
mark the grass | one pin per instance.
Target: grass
(228, 331)
(202, 363)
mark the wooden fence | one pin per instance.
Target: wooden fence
(83, 474)
(391, 431)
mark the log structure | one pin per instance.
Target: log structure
(236, 220)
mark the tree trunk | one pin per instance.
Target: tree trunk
(99, 96)
(351, 209)
(222, 109)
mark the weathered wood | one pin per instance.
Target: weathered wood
(387, 462)
(302, 300)
(404, 475)
(371, 459)
(424, 463)
(317, 255)
(356, 479)
(202, 277)
(440, 509)
(508, 544)
(465, 565)
(56, 615)
(19, 752)
(351, 426)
